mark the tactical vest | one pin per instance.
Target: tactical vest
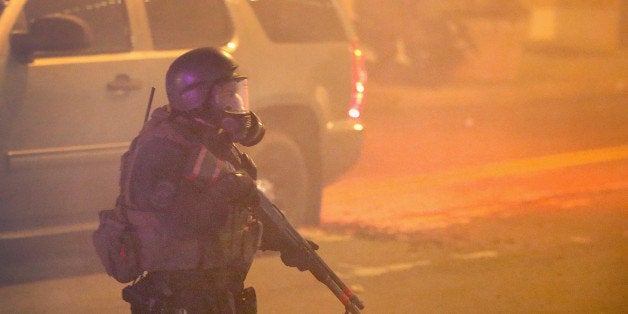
(232, 245)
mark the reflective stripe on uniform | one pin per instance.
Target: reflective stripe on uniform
(197, 166)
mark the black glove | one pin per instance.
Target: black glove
(294, 259)
(237, 188)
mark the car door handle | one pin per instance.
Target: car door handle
(123, 83)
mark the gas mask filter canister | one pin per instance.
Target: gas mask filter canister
(231, 100)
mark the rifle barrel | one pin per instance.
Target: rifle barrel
(318, 268)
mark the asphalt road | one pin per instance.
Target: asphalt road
(500, 207)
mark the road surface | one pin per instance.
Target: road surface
(496, 207)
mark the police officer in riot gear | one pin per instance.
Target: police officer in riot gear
(203, 85)
(190, 195)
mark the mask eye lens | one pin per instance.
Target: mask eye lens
(231, 96)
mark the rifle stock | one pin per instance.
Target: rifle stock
(292, 240)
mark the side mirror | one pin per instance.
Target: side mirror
(50, 33)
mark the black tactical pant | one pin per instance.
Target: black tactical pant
(190, 292)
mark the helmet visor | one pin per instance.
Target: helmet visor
(232, 96)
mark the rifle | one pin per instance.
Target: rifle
(272, 217)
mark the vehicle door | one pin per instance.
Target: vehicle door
(74, 116)
(80, 110)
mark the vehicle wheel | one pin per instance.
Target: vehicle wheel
(282, 175)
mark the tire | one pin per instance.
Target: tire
(283, 176)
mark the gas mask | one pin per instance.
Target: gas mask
(231, 113)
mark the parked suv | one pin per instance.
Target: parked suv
(75, 78)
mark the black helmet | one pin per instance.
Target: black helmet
(192, 75)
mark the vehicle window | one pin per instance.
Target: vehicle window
(108, 22)
(299, 20)
(188, 23)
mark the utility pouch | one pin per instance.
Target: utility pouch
(246, 303)
(115, 245)
(143, 297)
